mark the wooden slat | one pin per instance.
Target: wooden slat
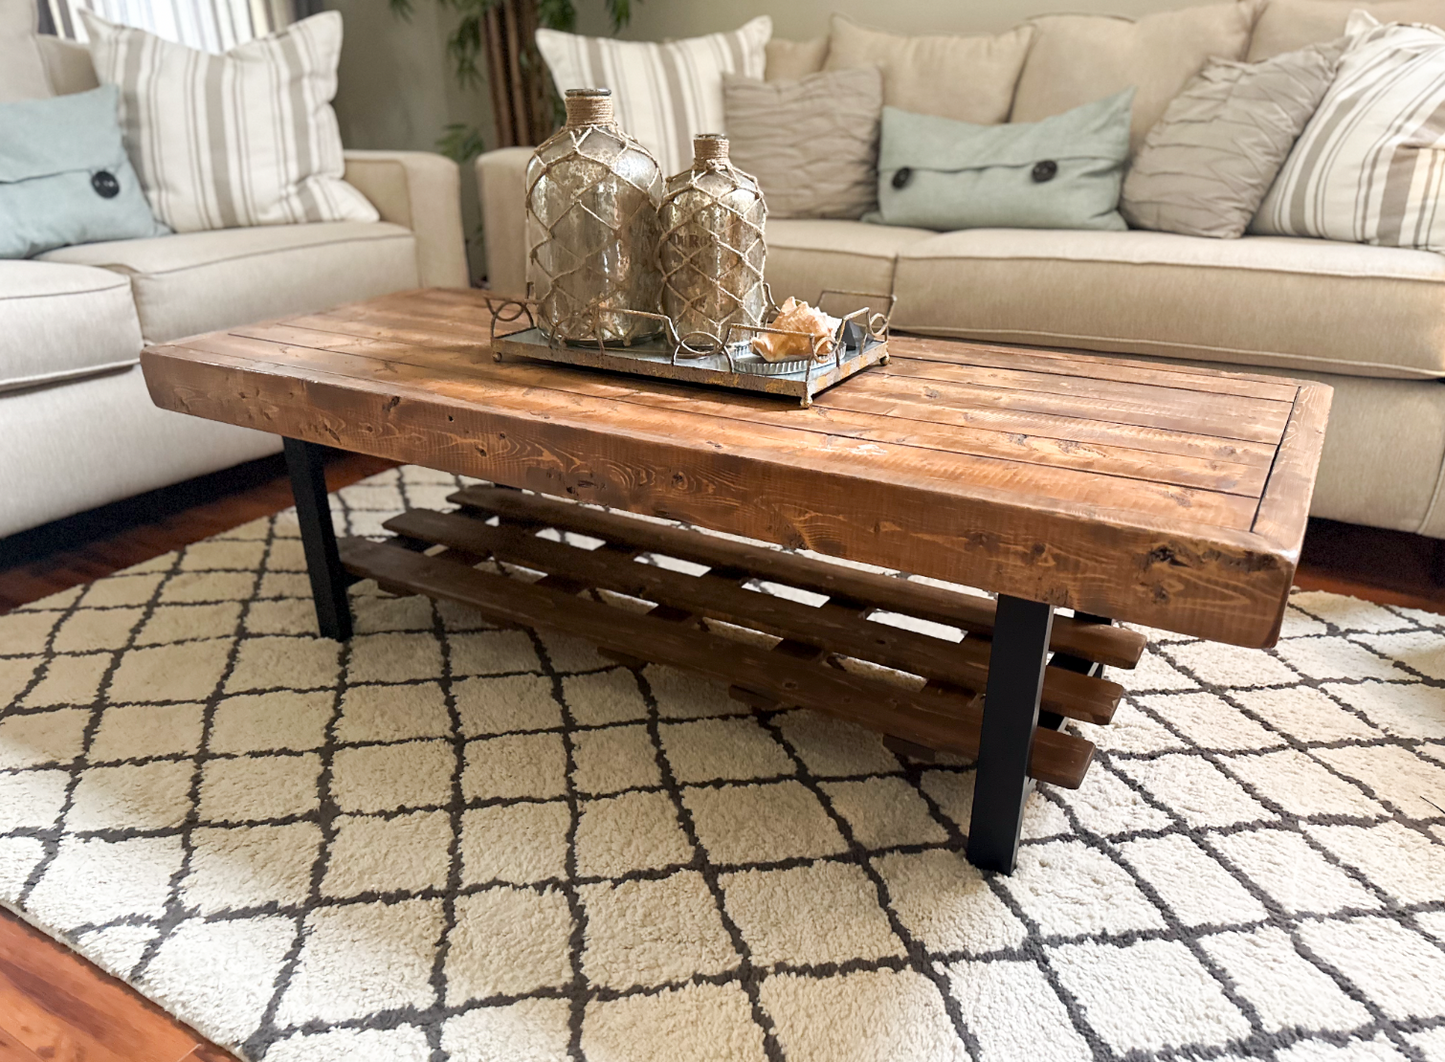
(1107, 392)
(1115, 646)
(1227, 379)
(949, 389)
(932, 719)
(827, 627)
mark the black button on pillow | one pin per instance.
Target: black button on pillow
(901, 177)
(105, 184)
(1044, 171)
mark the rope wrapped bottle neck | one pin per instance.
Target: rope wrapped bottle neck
(590, 107)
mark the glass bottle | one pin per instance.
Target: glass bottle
(592, 227)
(712, 250)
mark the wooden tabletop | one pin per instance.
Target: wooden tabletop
(1164, 495)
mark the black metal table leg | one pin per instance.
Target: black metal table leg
(1010, 714)
(318, 538)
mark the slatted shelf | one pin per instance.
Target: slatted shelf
(936, 703)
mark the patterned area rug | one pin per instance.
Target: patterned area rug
(451, 841)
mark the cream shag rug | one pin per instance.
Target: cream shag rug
(447, 840)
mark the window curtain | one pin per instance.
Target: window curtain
(210, 25)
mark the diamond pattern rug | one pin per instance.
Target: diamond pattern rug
(451, 841)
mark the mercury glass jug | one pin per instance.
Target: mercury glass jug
(712, 250)
(592, 227)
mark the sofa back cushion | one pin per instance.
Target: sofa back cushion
(1286, 25)
(791, 60)
(1079, 58)
(22, 76)
(67, 65)
(968, 79)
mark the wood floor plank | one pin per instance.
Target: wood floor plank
(65, 1010)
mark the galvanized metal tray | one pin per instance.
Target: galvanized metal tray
(860, 341)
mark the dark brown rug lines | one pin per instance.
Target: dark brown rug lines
(448, 840)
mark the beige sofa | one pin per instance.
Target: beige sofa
(77, 428)
(1370, 321)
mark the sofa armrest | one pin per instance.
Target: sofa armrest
(421, 191)
(502, 187)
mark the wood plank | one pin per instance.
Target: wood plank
(12, 1050)
(1115, 646)
(837, 630)
(1152, 394)
(933, 719)
(1227, 379)
(1284, 509)
(1049, 447)
(63, 1009)
(487, 388)
(921, 398)
(1184, 470)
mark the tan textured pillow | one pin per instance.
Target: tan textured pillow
(1287, 25)
(811, 143)
(1206, 165)
(970, 79)
(1076, 59)
(790, 60)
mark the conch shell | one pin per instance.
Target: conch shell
(796, 316)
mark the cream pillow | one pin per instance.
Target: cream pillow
(224, 141)
(1206, 165)
(969, 79)
(1368, 166)
(22, 76)
(1287, 25)
(665, 94)
(790, 60)
(1079, 58)
(811, 143)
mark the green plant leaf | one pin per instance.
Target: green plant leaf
(461, 142)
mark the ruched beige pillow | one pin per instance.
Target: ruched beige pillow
(1206, 165)
(811, 143)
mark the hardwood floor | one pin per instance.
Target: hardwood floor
(56, 1007)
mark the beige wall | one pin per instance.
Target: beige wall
(801, 19)
(396, 88)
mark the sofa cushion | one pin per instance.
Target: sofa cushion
(1278, 301)
(60, 322)
(67, 65)
(203, 281)
(969, 79)
(1287, 25)
(22, 74)
(807, 256)
(1077, 59)
(791, 60)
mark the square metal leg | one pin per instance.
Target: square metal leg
(318, 538)
(1010, 714)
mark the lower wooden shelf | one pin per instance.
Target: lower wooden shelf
(723, 623)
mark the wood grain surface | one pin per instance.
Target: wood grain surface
(1167, 496)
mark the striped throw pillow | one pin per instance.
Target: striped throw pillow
(665, 94)
(1370, 165)
(224, 141)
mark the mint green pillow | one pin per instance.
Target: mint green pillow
(64, 175)
(1064, 172)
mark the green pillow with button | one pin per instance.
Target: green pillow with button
(1064, 172)
(64, 175)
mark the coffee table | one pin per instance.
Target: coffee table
(1077, 488)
